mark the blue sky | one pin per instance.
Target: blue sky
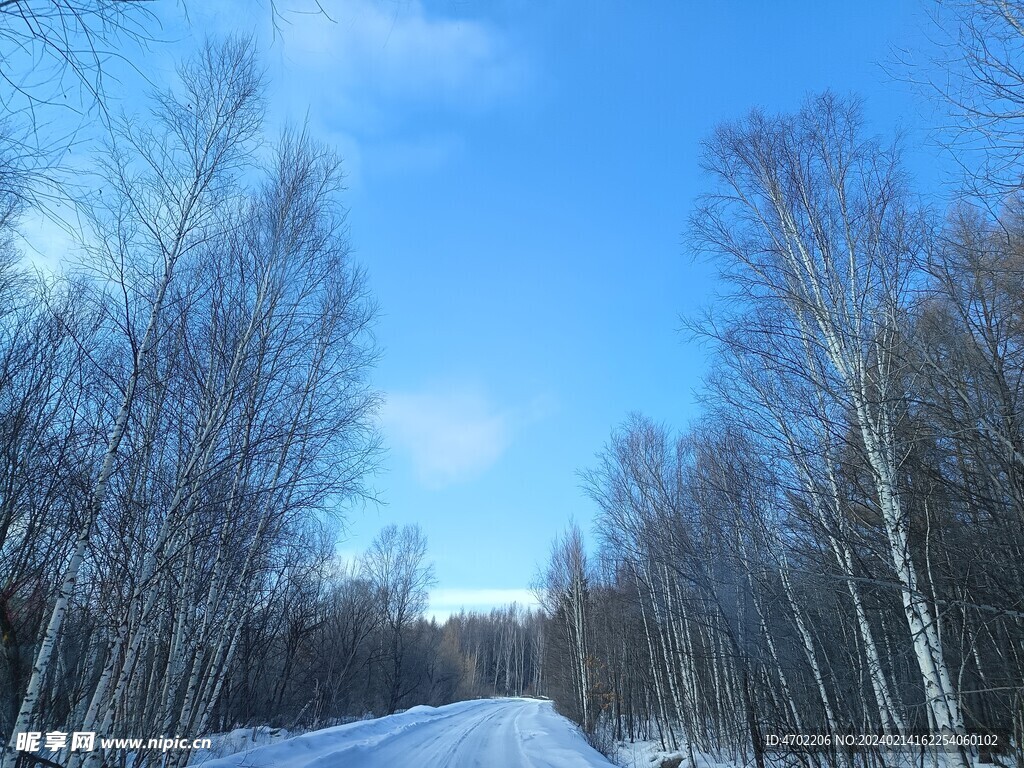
(519, 195)
(520, 173)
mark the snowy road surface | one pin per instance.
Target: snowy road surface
(489, 733)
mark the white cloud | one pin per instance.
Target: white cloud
(366, 73)
(397, 50)
(445, 602)
(450, 435)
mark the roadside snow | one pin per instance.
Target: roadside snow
(649, 754)
(238, 740)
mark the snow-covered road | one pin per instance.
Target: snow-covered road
(489, 733)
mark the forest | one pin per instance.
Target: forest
(835, 547)
(187, 414)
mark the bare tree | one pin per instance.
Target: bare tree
(563, 588)
(175, 208)
(812, 219)
(980, 45)
(396, 566)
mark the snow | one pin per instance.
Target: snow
(649, 754)
(491, 733)
(238, 740)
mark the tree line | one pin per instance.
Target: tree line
(183, 411)
(837, 544)
(352, 642)
(180, 413)
(185, 414)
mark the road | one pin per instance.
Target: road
(488, 733)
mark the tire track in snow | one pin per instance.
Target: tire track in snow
(488, 733)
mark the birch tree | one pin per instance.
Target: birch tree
(814, 219)
(778, 387)
(564, 590)
(190, 168)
